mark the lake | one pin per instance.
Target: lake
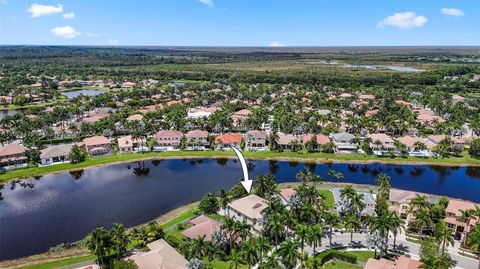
(76, 93)
(36, 214)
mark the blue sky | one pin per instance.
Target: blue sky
(240, 22)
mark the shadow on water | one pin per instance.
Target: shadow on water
(77, 174)
(222, 161)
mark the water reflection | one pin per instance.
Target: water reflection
(77, 174)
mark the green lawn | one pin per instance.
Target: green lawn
(329, 202)
(188, 213)
(36, 171)
(60, 263)
(225, 265)
(363, 256)
(335, 264)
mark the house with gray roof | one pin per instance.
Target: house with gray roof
(55, 154)
(344, 143)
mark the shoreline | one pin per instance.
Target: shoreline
(169, 216)
(216, 155)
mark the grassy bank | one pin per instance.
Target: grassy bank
(266, 155)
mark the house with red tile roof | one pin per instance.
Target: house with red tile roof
(320, 138)
(97, 146)
(225, 141)
(240, 116)
(416, 146)
(249, 208)
(381, 143)
(202, 226)
(286, 194)
(13, 157)
(167, 140)
(289, 141)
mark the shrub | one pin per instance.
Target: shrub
(331, 254)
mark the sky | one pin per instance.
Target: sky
(240, 22)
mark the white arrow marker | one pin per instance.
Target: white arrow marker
(247, 183)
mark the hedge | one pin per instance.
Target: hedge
(331, 254)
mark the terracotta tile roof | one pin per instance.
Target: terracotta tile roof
(137, 117)
(287, 193)
(257, 134)
(250, 206)
(228, 138)
(160, 256)
(55, 151)
(381, 137)
(454, 206)
(196, 133)
(169, 134)
(321, 139)
(202, 226)
(127, 141)
(285, 139)
(95, 140)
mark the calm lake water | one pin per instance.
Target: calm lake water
(36, 214)
(73, 94)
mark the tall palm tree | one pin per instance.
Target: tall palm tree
(397, 224)
(332, 221)
(224, 198)
(275, 227)
(303, 176)
(120, 240)
(271, 262)
(444, 235)
(198, 247)
(229, 226)
(235, 259)
(250, 253)
(473, 241)
(263, 247)
(98, 242)
(352, 223)
(289, 254)
(302, 234)
(315, 235)
(243, 229)
(383, 225)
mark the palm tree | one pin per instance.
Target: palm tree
(288, 250)
(356, 203)
(383, 224)
(352, 223)
(315, 235)
(271, 262)
(198, 247)
(302, 234)
(229, 226)
(397, 225)
(243, 229)
(444, 235)
(422, 220)
(98, 242)
(473, 241)
(275, 227)
(263, 247)
(250, 253)
(303, 176)
(332, 221)
(235, 259)
(224, 198)
(119, 240)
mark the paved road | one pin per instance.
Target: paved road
(402, 243)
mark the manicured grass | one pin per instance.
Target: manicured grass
(188, 213)
(226, 265)
(363, 256)
(335, 264)
(60, 263)
(36, 171)
(328, 195)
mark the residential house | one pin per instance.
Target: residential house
(256, 140)
(135, 117)
(457, 98)
(436, 139)
(55, 154)
(126, 144)
(160, 256)
(13, 157)
(369, 200)
(202, 226)
(240, 116)
(224, 142)
(453, 219)
(320, 138)
(381, 143)
(97, 146)
(286, 194)
(289, 141)
(6, 100)
(248, 208)
(399, 202)
(197, 140)
(127, 85)
(401, 262)
(200, 112)
(429, 118)
(167, 140)
(415, 146)
(344, 143)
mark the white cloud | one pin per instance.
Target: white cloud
(65, 31)
(92, 34)
(38, 10)
(3, 2)
(207, 2)
(403, 20)
(276, 44)
(69, 15)
(452, 12)
(113, 42)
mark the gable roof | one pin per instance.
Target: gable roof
(95, 140)
(228, 138)
(55, 151)
(12, 149)
(203, 226)
(250, 206)
(160, 256)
